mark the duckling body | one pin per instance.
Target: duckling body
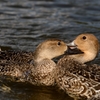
(76, 78)
(35, 67)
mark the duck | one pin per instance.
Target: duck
(74, 76)
(36, 67)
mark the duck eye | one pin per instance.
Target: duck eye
(59, 43)
(84, 37)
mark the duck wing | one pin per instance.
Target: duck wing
(15, 57)
(77, 79)
(16, 65)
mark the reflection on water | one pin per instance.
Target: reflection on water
(25, 23)
(20, 91)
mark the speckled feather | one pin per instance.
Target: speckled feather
(96, 97)
(15, 57)
(36, 67)
(20, 67)
(77, 79)
(16, 64)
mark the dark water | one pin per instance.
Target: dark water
(25, 23)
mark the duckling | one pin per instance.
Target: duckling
(73, 76)
(35, 67)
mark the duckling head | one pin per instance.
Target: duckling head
(49, 49)
(88, 44)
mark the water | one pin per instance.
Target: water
(25, 23)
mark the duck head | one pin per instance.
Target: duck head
(49, 49)
(88, 44)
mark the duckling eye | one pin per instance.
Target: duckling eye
(59, 43)
(84, 37)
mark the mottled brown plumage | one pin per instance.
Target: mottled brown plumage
(76, 78)
(37, 68)
(96, 97)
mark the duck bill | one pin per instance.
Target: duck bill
(72, 45)
(73, 49)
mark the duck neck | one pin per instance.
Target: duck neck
(40, 59)
(37, 59)
(85, 57)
